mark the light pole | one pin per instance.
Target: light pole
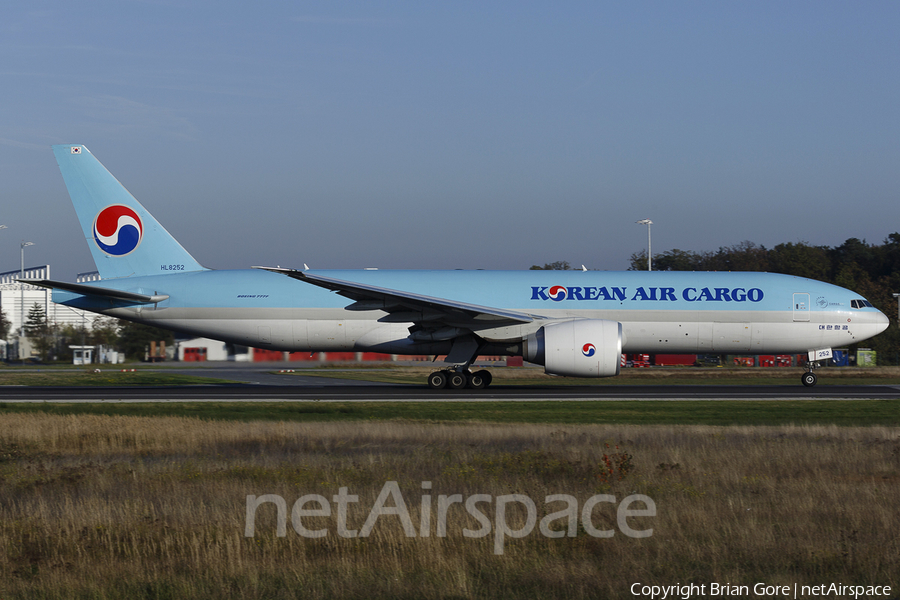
(897, 296)
(648, 223)
(6, 355)
(22, 294)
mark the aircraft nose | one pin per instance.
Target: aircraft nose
(881, 321)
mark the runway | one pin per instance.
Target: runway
(317, 389)
(263, 383)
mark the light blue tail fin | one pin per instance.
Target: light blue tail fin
(124, 238)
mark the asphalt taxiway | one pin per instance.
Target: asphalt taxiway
(264, 383)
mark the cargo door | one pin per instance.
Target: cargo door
(729, 338)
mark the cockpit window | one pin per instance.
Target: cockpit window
(860, 304)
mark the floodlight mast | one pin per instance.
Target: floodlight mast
(648, 223)
(897, 296)
(22, 295)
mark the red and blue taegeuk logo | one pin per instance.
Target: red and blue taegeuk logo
(588, 350)
(118, 230)
(558, 293)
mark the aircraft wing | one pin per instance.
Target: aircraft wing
(407, 307)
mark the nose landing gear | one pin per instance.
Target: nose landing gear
(809, 378)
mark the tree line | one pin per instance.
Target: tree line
(51, 341)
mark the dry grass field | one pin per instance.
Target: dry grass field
(155, 507)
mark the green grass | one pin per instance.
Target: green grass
(678, 412)
(41, 377)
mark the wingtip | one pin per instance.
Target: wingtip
(282, 270)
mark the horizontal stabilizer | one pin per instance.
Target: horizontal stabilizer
(90, 290)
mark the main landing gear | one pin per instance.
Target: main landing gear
(456, 380)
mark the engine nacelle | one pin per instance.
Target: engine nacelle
(578, 348)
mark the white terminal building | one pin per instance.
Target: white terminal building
(17, 299)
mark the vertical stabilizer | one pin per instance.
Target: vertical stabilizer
(124, 238)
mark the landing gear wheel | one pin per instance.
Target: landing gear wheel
(809, 379)
(476, 380)
(437, 380)
(456, 380)
(485, 376)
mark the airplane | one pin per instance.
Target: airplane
(574, 323)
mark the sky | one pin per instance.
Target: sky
(419, 135)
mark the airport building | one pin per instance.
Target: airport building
(17, 299)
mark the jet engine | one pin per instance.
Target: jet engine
(577, 348)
